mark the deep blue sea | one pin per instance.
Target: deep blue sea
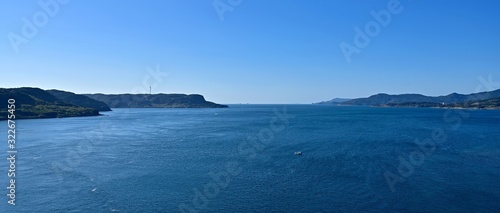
(242, 159)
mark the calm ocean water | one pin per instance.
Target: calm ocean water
(241, 159)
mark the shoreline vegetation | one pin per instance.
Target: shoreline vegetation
(33, 103)
(488, 104)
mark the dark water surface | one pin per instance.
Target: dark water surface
(241, 159)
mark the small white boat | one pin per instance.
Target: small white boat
(298, 153)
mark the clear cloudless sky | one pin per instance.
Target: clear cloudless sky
(279, 51)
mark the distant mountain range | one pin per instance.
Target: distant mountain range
(155, 101)
(417, 100)
(39, 103)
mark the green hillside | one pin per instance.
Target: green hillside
(79, 100)
(38, 103)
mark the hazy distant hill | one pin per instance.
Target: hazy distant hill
(38, 103)
(155, 101)
(79, 100)
(334, 101)
(385, 99)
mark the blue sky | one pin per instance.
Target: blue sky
(278, 51)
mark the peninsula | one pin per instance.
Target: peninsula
(34, 103)
(155, 101)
